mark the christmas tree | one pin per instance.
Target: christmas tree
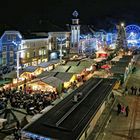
(121, 42)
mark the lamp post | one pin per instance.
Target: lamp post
(61, 39)
(122, 24)
(17, 45)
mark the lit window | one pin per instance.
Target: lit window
(28, 54)
(40, 52)
(44, 52)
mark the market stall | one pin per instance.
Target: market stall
(102, 54)
(50, 65)
(48, 84)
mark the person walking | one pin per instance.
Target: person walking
(119, 108)
(132, 89)
(127, 111)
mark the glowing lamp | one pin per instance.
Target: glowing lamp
(122, 24)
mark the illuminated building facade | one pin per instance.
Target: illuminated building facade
(32, 49)
(8, 48)
(59, 41)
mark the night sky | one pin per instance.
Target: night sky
(38, 13)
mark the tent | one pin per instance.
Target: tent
(13, 118)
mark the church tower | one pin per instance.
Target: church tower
(75, 30)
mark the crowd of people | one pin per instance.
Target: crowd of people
(133, 90)
(32, 103)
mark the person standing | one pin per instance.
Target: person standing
(132, 88)
(122, 109)
(139, 92)
(135, 91)
(126, 91)
(119, 108)
(127, 111)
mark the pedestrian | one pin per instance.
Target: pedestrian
(139, 92)
(135, 91)
(122, 109)
(127, 111)
(126, 90)
(119, 108)
(132, 89)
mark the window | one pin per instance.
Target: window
(40, 52)
(28, 54)
(44, 52)
(3, 55)
(3, 60)
(4, 48)
(14, 37)
(11, 59)
(11, 54)
(11, 48)
(8, 37)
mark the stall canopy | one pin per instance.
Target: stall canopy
(73, 63)
(125, 59)
(11, 75)
(30, 69)
(64, 76)
(118, 70)
(86, 63)
(52, 81)
(46, 64)
(61, 68)
(76, 69)
(122, 64)
(46, 74)
(117, 58)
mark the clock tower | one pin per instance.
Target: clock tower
(75, 30)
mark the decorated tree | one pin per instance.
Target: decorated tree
(121, 42)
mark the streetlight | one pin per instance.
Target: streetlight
(122, 24)
(17, 59)
(61, 39)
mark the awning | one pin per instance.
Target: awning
(61, 68)
(118, 70)
(46, 74)
(65, 77)
(53, 81)
(46, 64)
(76, 69)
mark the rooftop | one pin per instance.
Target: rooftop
(58, 120)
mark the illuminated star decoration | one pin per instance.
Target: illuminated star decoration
(75, 14)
